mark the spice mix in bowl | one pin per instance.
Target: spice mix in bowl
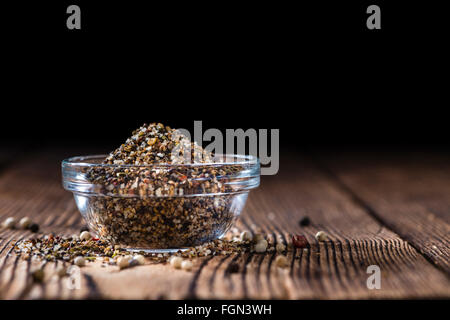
(159, 191)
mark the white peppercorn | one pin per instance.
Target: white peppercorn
(176, 262)
(85, 235)
(25, 222)
(186, 265)
(321, 236)
(140, 259)
(261, 246)
(246, 236)
(9, 223)
(79, 261)
(123, 262)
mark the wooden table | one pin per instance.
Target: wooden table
(388, 210)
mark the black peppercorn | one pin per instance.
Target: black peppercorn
(34, 227)
(305, 221)
(84, 229)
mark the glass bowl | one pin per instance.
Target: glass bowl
(160, 207)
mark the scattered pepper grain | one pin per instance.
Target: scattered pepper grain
(246, 236)
(321, 236)
(176, 262)
(299, 241)
(280, 247)
(79, 261)
(305, 221)
(34, 227)
(123, 262)
(261, 246)
(186, 265)
(140, 259)
(281, 261)
(9, 223)
(25, 222)
(85, 235)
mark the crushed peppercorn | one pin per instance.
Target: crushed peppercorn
(150, 205)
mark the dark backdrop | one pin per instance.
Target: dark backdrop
(311, 69)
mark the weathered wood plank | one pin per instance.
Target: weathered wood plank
(335, 269)
(301, 190)
(409, 193)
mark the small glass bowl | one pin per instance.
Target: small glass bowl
(161, 207)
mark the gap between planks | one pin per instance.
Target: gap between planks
(358, 200)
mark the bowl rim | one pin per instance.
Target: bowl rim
(79, 161)
(243, 181)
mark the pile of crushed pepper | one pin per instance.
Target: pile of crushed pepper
(146, 192)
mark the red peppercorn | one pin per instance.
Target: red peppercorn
(299, 241)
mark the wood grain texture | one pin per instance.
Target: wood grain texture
(335, 269)
(409, 193)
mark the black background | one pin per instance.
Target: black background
(311, 69)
